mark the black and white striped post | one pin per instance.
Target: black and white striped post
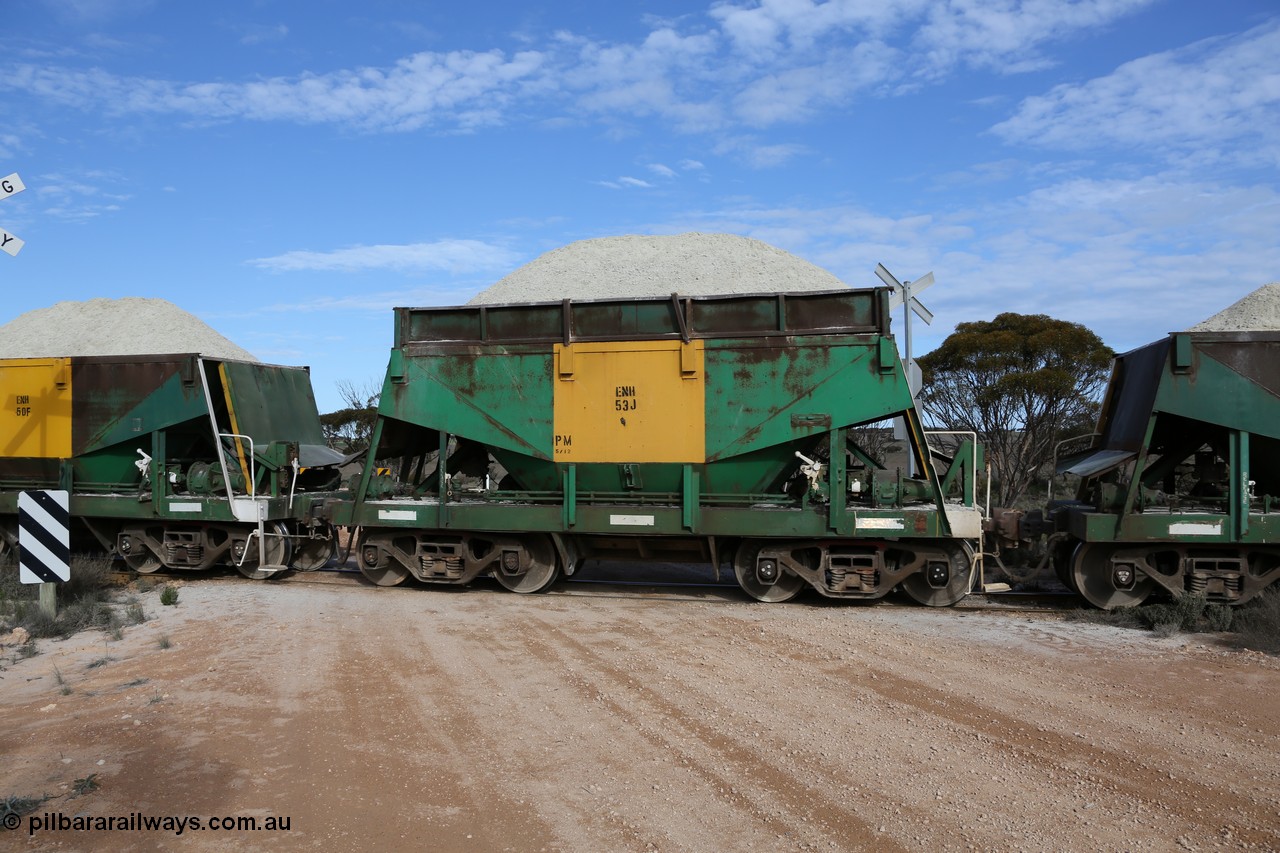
(44, 539)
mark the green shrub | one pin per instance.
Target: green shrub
(83, 786)
(1181, 615)
(86, 612)
(168, 595)
(90, 578)
(1257, 624)
(1219, 617)
(36, 621)
(61, 681)
(20, 805)
(1188, 613)
(135, 614)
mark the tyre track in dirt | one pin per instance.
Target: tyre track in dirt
(1111, 774)
(1151, 777)
(809, 814)
(562, 745)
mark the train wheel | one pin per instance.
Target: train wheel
(377, 565)
(1103, 585)
(135, 554)
(1061, 557)
(543, 568)
(277, 549)
(764, 580)
(942, 584)
(315, 553)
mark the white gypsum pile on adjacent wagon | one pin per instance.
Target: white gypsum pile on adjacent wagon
(1257, 312)
(692, 264)
(128, 326)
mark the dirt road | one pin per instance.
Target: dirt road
(476, 719)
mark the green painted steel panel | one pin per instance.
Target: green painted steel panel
(1191, 528)
(274, 403)
(119, 402)
(1216, 393)
(808, 364)
(499, 398)
(762, 396)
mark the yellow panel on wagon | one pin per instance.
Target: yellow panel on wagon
(630, 401)
(35, 421)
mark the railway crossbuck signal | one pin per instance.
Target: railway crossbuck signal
(11, 185)
(904, 294)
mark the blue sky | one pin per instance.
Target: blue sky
(290, 171)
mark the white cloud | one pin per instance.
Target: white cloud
(691, 165)
(764, 29)
(75, 198)
(666, 75)
(460, 86)
(453, 256)
(628, 181)
(753, 63)
(260, 34)
(1191, 104)
(656, 168)
(938, 35)
(796, 94)
(1007, 34)
(759, 155)
(98, 10)
(10, 144)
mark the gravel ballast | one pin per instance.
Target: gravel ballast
(693, 264)
(1257, 312)
(129, 326)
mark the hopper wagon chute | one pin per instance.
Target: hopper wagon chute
(170, 461)
(527, 438)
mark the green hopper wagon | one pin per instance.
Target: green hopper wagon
(524, 439)
(170, 461)
(1180, 490)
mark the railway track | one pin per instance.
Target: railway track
(597, 584)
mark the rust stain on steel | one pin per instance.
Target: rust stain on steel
(109, 389)
(1256, 358)
(454, 365)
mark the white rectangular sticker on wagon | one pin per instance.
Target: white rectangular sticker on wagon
(397, 515)
(881, 524)
(631, 520)
(1195, 528)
